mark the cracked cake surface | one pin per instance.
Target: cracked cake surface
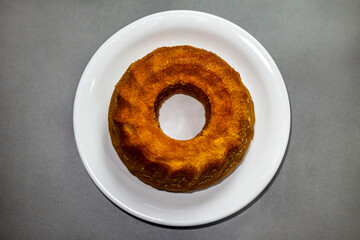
(181, 165)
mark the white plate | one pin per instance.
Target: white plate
(259, 73)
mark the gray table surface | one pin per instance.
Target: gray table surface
(45, 191)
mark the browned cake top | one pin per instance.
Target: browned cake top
(182, 69)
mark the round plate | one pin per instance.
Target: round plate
(259, 73)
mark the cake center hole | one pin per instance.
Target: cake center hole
(181, 117)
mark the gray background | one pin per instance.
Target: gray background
(45, 191)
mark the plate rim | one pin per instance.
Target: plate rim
(95, 179)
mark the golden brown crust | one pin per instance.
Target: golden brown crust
(177, 165)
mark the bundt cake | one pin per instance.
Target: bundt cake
(180, 165)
